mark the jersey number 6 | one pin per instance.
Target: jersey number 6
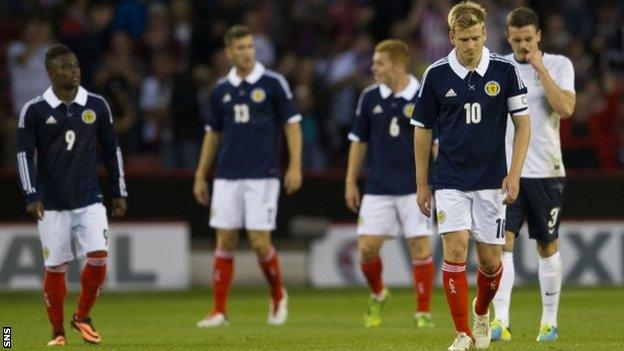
(70, 138)
(394, 127)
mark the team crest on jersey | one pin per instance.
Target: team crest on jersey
(408, 109)
(88, 116)
(441, 217)
(258, 95)
(492, 88)
(226, 98)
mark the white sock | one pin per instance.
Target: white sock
(502, 299)
(550, 286)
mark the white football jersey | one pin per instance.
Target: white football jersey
(544, 155)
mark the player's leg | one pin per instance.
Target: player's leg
(377, 221)
(502, 300)
(226, 216)
(544, 218)
(91, 230)
(454, 220)
(418, 229)
(222, 273)
(514, 216)
(260, 207)
(55, 233)
(550, 277)
(488, 213)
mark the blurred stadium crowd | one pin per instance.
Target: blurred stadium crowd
(156, 61)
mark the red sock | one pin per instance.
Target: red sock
(271, 268)
(223, 269)
(372, 271)
(423, 272)
(54, 290)
(487, 285)
(91, 280)
(456, 288)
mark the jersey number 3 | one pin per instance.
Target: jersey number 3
(241, 113)
(473, 113)
(70, 139)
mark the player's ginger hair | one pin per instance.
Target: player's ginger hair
(397, 50)
(465, 15)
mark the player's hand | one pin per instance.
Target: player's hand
(534, 58)
(35, 209)
(200, 190)
(510, 187)
(292, 180)
(424, 198)
(352, 197)
(119, 207)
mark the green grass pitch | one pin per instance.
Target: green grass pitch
(589, 319)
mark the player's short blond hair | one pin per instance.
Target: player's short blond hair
(397, 50)
(236, 32)
(465, 15)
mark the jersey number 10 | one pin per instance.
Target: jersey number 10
(473, 113)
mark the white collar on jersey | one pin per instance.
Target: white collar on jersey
(461, 71)
(408, 93)
(54, 101)
(251, 78)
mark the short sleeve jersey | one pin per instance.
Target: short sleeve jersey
(544, 158)
(471, 110)
(250, 113)
(382, 119)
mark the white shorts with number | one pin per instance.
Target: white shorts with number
(391, 215)
(88, 225)
(481, 212)
(244, 203)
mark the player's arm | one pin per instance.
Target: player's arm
(357, 154)
(113, 160)
(522, 134)
(422, 153)
(562, 101)
(26, 147)
(293, 177)
(209, 148)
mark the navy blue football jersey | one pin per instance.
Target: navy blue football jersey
(250, 114)
(57, 150)
(382, 119)
(470, 110)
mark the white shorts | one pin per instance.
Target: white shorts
(88, 225)
(481, 212)
(391, 214)
(244, 203)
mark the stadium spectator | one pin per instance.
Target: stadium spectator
(27, 75)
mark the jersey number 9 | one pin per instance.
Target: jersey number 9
(70, 139)
(473, 113)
